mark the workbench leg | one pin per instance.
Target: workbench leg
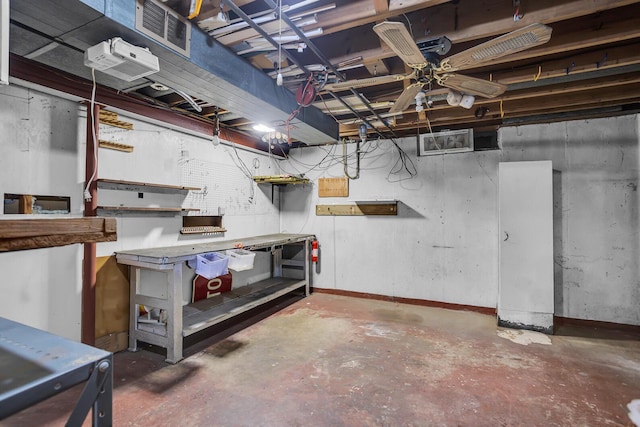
(276, 257)
(97, 394)
(134, 283)
(103, 406)
(174, 321)
(307, 268)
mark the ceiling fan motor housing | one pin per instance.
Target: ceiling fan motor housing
(440, 46)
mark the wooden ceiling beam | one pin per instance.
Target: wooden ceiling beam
(587, 99)
(536, 98)
(604, 59)
(364, 12)
(623, 29)
(380, 6)
(565, 97)
(490, 18)
(609, 32)
(210, 8)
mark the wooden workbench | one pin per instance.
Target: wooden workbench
(184, 321)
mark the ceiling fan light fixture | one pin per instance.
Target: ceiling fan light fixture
(454, 98)
(467, 101)
(420, 97)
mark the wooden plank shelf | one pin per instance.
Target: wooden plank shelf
(281, 179)
(205, 229)
(23, 234)
(143, 210)
(141, 187)
(202, 314)
(115, 146)
(110, 118)
(358, 209)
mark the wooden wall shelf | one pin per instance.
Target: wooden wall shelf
(23, 234)
(202, 224)
(115, 146)
(142, 210)
(110, 118)
(141, 187)
(281, 179)
(205, 229)
(358, 209)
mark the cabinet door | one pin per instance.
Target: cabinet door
(525, 297)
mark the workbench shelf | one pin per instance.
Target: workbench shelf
(290, 260)
(106, 210)
(141, 187)
(208, 312)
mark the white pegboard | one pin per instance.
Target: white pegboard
(222, 186)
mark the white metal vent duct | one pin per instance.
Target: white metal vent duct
(210, 71)
(163, 25)
(456, 141)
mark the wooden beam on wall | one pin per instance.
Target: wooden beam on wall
(21, 234)
(358, 209)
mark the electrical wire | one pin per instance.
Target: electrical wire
(409, 25)
(240, 164)
(87, 194)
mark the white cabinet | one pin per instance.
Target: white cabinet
(525, 297)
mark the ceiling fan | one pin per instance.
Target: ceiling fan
(428, 68)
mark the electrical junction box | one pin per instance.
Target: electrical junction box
(120, 59)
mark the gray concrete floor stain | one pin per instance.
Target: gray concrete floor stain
(338, 361)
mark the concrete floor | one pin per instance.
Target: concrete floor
(338, 361)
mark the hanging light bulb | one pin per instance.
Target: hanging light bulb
(279, 79)
(362, 132)
(221, 15)
(454, 98)
(467, 101)
(420, 96)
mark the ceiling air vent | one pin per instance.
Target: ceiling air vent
(454, 141)
(163, 25)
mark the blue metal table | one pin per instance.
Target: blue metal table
(35, 365)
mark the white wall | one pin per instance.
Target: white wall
(40, 154)
(443, 244)
(597, 239)
(43, 152)
(165, 156)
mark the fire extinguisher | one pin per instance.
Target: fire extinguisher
(314, 251)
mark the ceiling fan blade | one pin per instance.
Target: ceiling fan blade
(515, 41)
(471, 85)
(370, 81)
(395, 35)
(405, 99)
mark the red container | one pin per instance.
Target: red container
(204, 288)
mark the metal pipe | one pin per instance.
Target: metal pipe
(328, 63)
(375, 113)
(89, 274)
(344, 160)
(264, 34)
(342, 101)
(316, 51)
(305, 39)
